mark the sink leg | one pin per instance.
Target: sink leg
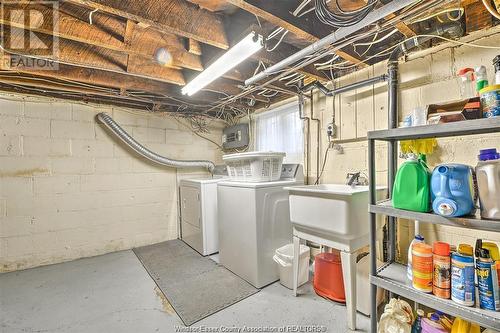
(348, 260)
(295, 263)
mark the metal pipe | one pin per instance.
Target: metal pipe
(308, 143)
(336, 36)
(318, 136)
(121, 134)
(340, 90)
(392, 151)
(453, 29)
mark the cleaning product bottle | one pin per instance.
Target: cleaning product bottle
(467, 88)
(445, 321)
(481, 78)
(411, 187)
(463, 326)
(488, 183)
(463, 289)
(495, 255)
(452, 190)
(441, 270)
(487, 279)
(409, 268)
(422, 267)
(432, 325)
(417, 325)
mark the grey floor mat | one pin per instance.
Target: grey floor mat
(196, 286)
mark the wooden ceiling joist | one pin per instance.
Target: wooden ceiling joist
(79, 54)
(273, 12)
(136, 40)
(172, 16)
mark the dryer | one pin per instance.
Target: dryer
(254, 220)
(198, 212)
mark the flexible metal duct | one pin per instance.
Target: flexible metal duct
(121, 134)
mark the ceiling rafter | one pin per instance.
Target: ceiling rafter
(103, 33)
(172, 16)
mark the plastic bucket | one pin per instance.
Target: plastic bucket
(328, 277)
(284, 259)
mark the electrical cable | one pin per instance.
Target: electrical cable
(490, 9)
(342, 18)
(447, 11)
(389, 49)
(325, 159)
(278, 43)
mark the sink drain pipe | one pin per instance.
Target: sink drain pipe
(121, 134)
(452, 30)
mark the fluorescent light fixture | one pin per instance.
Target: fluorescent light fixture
(235, 55)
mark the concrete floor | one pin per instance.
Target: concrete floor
(114, 293)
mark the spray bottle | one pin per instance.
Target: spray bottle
(487, 279)
(481, 78)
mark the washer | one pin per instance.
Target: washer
(198, 212)
(254, 220)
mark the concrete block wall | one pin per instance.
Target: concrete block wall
(424, 80)
(69, 190)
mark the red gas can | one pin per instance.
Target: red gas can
(328, 278)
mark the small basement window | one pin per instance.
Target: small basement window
(281, 130)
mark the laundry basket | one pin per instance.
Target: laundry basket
(284, 259)
(254, 166)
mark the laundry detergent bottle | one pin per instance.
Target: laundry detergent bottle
(411, 189)
(488, 183)
(452, 190)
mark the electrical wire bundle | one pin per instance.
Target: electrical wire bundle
(342, 18)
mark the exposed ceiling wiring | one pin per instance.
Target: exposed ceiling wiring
(447, 11)
(341, 18)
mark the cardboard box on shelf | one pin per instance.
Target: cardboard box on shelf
(466, 109)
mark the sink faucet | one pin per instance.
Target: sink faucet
(354, 179)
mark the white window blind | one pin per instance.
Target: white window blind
(281, 130)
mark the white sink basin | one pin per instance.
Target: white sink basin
(335, 209)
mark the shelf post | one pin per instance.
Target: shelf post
(373, 233)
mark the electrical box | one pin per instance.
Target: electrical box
(236, 136)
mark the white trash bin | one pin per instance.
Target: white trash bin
(284, 259)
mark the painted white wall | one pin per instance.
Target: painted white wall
(424, 80)
(69, 190)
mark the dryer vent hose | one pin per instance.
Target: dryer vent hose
(121, 134)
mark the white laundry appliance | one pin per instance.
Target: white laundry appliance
(198, 211)
(254, 220)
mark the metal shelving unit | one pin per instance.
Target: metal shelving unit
(392, 276)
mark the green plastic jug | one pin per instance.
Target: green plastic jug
(411, 189)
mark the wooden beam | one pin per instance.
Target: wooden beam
(477, 17)
(122, 82)
(174, 16)
(258, 8)
(211, 5)
(355, 4)
(136, 40)
(194, 47)
(99, 58)
(101, 78)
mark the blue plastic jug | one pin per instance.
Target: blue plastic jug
(452, 190)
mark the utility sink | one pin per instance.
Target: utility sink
(336, 209)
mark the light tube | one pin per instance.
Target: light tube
(234, 56)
